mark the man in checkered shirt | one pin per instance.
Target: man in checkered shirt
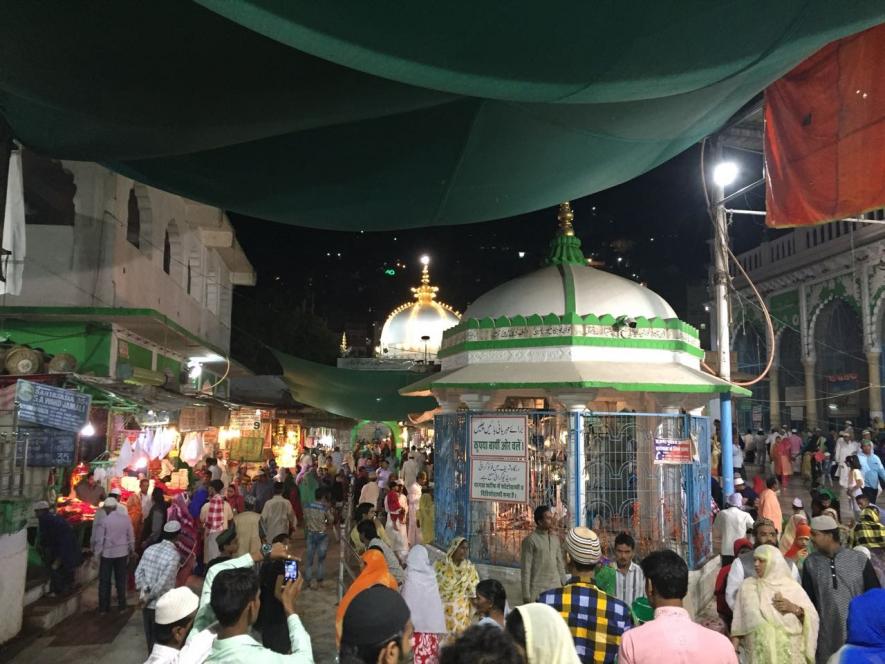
(155, 575)
(595, 619)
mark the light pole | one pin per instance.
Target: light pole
(724, 174)
(425, 338)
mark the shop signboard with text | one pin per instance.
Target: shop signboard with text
(53, 407)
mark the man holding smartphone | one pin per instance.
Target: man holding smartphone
(231, 596)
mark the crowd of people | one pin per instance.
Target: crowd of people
(212, 571)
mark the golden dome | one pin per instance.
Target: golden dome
(401, 336)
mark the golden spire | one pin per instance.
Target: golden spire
(343, 346)
(566, 217)
(425, 293)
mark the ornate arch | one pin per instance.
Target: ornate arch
(173, 264)
(140, 219)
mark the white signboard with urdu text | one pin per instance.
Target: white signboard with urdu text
(502, 480)
(498, 436)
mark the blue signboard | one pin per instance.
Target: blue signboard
(54, 407)
(47, 447)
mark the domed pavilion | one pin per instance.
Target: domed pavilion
(571, 334)
(577, 388)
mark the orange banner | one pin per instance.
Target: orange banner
(825, 134)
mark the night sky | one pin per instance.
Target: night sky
(655, 223)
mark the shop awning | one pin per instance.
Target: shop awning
(356, 115)
(359, 395)
(119, 394)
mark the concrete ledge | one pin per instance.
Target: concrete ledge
(34, 592)
(46, 613)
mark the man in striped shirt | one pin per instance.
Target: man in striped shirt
(630, 581)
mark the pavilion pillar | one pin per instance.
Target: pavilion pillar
(774, 404)
(809, 364)
(576, 460)
(875, 377)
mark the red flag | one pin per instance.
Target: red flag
(825, 134)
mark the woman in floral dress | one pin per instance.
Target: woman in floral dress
(457, 578)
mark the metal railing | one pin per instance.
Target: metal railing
(661, 505)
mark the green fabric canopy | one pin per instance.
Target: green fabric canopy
(359, 395)
(352, 115)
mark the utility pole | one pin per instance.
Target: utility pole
(720, 288)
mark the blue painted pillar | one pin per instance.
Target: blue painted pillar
(726, 441)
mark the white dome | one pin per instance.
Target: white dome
(596, 292)
(401, 334)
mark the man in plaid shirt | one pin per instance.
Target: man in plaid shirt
(595, 619)
(155, 575)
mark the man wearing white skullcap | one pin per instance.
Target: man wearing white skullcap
(732, 524)
(156, 574)
(596, 620)
(175, 613)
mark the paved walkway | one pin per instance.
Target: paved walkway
(122, 641)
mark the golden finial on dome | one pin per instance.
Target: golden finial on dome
(425, 293)
(343, 347)
(566, 217)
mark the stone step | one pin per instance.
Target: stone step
(47, 612)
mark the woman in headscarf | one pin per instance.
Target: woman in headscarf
(421, 592)
(798, 551)
(774, 620)
(741, 546)
(457, 579)
(870, 533)
(215, 516)
(133, 507)
(866, 630)
(374, 573)
(542, 635)
(397, 509)
(152, 531)
(798, 516)
(427, 515)
(783, 462)
(188, 540)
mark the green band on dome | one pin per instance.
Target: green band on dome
(600, 384)
(674, 345)
(588, 319)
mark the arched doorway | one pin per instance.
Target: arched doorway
(749, 345)
(841, 365)
(791, 379)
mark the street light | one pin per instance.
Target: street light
(725, 173)
(425, 339)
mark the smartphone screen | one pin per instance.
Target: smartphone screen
(291, 570)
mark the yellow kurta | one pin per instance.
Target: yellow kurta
(426, 516)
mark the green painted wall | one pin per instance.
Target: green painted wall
(138, 356)
(89, 343)
(164, 362)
